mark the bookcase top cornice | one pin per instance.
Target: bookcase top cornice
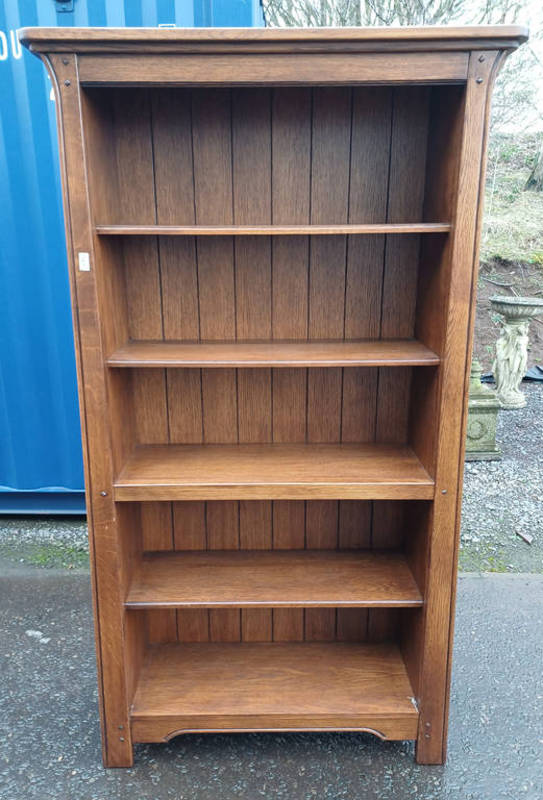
(156, 40)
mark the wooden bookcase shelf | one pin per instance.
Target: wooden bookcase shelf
(274, 579)
(272, 230)
(273, 329)
(300, 686)
(273, 471)
(368, 353)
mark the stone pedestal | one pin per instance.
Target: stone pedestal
(511, 359)
(482, 418)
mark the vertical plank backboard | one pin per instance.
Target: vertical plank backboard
(251, 165)
(369, 167)
(405, 204)
(223, 533)
(213, 192)
(291, 193)
(174, 180)
(330, 156)
(291, 198)
(288, 534)
(189, 520)
(137, 200)
(212, 147)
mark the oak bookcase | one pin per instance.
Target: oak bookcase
(273, 238)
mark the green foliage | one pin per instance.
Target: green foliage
(48, 555)
(513, 219)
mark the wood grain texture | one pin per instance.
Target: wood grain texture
(176, 472)
(115, 676)
(252, 204)
(273, 230)
(290, 578)
(288, 533)
(134, 143)
(371, 130)
(365, 353)
(451, 415)
(258, 70)
(170, 139)
(321, 532)
(429, 35)
(330, 155)
(291, 124)
(405, 203)
(189, 526)
(273, 686)
(173, 159)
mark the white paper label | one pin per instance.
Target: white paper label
(84, 262)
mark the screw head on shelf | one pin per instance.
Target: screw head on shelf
(478, 80)
(65, 61)
(67, 83)
(481, 58)
(443, 491)
(103, 494)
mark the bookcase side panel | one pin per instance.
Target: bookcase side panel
(104, 529)
(447, 115)
(452, 409)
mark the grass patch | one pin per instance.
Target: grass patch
(473, 559)
(59, 556)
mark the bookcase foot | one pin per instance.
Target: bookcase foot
(117, 750)
(118, 759)
(430, 751)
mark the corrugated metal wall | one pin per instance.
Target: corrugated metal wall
(40, 447)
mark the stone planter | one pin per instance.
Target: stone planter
(511, 359)
(482, 419)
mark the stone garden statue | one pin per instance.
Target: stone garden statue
(510, 363)
(511, 359)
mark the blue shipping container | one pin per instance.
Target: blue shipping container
(40, 444)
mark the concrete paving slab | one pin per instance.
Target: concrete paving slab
(51, 742)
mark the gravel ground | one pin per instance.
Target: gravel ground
(45, 541)
(504, 498)
(500, 498)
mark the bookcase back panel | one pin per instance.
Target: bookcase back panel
(250, 157)
(273, 525)
(274, 625)
(255, 156)
(263, 156)
(261, 406)
(264, 288)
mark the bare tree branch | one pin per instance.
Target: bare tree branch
(390, 12)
